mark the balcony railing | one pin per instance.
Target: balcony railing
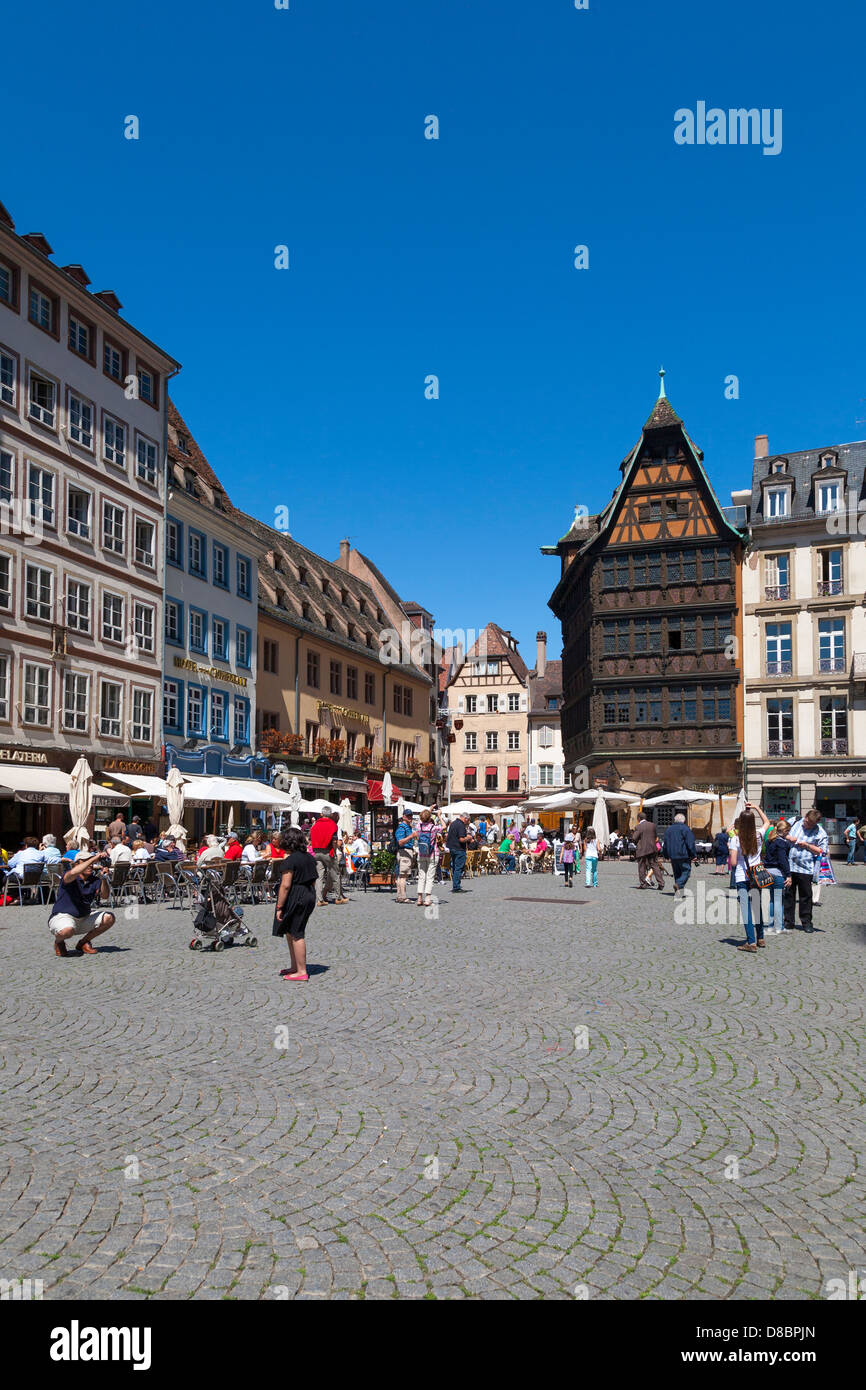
(779, 668)
(780, 748)
(829, 586)
(834, 745)
(777, 591)
(831, 663)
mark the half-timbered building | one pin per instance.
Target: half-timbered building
(649, 602)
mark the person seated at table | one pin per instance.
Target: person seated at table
(358, 851)
(233, 848)
(274, 846)
(50, 852)
(73, 848)
(141, 852)
(541, 846)
(28, 856)
(506, 858)
(210, 851)
(168, 851)
(251, 852)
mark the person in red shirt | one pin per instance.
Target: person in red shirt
(323, 839)
(233, 846)
(276, 849)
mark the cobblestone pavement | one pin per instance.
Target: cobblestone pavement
(432, 1129)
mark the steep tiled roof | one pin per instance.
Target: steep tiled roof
(180, 461)
(546, 687)
(498, 641)
(293, 579)
(800, 466)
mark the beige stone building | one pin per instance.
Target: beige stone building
(328, 709)
(488, 706)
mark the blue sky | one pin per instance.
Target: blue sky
(454, 257)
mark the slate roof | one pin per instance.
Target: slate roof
(546, 687)
(801, 465)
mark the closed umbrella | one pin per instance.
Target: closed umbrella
(741, 803)
(345, 821)
(387, 789)
(401, 806)
(600, 822)
(80, 799)
(230, 823)
(295, 799)
(174, 801)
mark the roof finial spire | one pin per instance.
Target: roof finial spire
(662, 375)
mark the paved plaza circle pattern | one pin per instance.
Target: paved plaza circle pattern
(526, 1092)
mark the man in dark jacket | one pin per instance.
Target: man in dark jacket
(647, 854)
(679, 846)
(458, 834)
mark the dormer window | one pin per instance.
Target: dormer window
(189, 484)
(329, 622)
(827, 461)
(350, 632)
(302, 576)
(828, 497)
(344, 596)
(182, 443)
(326, 588)
(305, 612)
(779, 466)
(777, 501)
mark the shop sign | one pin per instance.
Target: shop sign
(42, 798)
(185, 664)
(22, 755)
(345, 712)
(128, 765)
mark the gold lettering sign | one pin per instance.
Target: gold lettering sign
(128, 765)
(184, 663)
(342, 709)
(22, 755)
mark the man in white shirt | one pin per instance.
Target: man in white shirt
(214, 851)
(119, 852)
(532, 831)
(359, 849)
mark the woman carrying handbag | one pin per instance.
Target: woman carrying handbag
(749, 874)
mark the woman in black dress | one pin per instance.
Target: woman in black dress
(296, 899)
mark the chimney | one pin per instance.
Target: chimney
(762, 446)
(344, 554)
(541, 653)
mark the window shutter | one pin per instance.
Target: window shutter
(503, 704)
(523, 700)
(460, 704)
(533, 775)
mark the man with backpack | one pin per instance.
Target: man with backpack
(427, 836)
(405, 837)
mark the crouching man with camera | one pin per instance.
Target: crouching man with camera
(73, 913)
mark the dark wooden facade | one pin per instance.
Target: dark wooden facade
(649, 602)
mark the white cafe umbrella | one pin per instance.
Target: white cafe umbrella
(174, 801)
(80, 799)
(471, 808)
(401, 806)
(600, 823)
(741, 803)
(230, 823)
(684, 795)
(346, 822)
(295, 799)
(387, 789)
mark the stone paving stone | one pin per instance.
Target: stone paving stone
(605, 1167)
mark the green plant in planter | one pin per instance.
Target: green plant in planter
(383, 862)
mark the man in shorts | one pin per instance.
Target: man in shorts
(73, 913)
(406, 838)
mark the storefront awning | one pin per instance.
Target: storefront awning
(144, 786)
(49, 786)
(248, 793)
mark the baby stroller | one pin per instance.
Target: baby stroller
(216, 921)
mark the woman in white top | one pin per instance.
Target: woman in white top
(141, 853)
(745, 849)
(250, 853)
